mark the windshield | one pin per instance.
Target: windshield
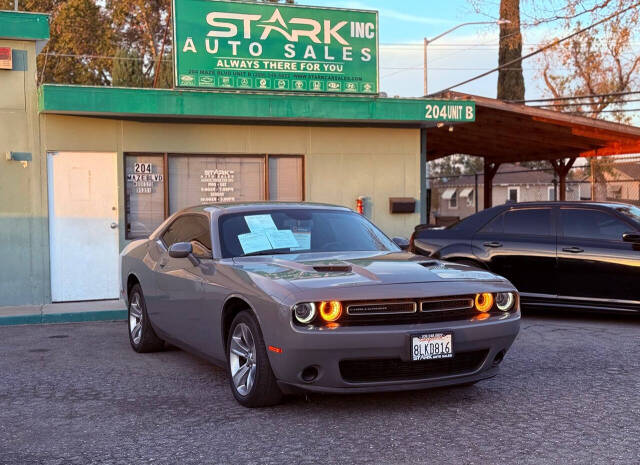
(630, 211)
(299, 231)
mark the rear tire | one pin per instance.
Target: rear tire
(142, 337)
(251, 378)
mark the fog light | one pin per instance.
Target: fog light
(305, 313)
(505, 301)
(330, 311)
(484, 302)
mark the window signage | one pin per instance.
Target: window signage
(6, 61)
(274, 47)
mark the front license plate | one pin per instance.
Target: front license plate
(431, 346)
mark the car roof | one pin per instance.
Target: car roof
(234, 207)
(553, 203)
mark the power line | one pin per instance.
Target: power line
(542, 49)
(576, 97)
(618, 102)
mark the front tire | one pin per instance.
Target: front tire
(252, 381)
(142, 337)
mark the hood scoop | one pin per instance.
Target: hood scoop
(428, 264)
(332, 268)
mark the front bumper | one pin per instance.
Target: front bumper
(324, 349)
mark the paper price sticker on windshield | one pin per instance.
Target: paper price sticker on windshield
(254, 242)
(282, 239)
(260, 223)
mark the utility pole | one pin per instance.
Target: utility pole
(428, 41)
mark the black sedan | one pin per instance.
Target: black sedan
(562, 254)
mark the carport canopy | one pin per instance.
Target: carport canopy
(509, 133)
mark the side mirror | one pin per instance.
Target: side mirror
(634, 238)
(180, 250)
(401, 242)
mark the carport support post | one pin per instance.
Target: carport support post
(562, 169)
(490, 170)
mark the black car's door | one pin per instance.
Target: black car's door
(593, 260)
(180, 281)
(520, 244)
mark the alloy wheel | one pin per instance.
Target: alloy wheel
(242, 359)
(135, 319)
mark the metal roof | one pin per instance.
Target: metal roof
(507, 132)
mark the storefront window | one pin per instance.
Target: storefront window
(144, 196)
(198, 180)
(285, 178)
(151, 194)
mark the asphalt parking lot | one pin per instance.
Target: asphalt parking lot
(77, 394)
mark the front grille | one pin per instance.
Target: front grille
(378, 370)
(382, 308)
(439, 305)
(414, 310)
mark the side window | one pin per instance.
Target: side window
(190, 228)
(495, 226)
(592, 224)
(528, 222)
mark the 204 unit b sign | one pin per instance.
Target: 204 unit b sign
(273, 47)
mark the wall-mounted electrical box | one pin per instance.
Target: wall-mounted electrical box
(6, 58)
(402, 205)
(19, 156)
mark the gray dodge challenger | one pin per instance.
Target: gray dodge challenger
(291, 297)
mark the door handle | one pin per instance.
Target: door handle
(113, 225)
(573, 249)
(493, 245)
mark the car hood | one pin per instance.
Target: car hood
(312, 271)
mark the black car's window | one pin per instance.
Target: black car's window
(494, 226)
(299, 231)
(190, 228)
(592, 224)
(529, 222)
(631, 211)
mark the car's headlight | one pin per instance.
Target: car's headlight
(484, 302)
(505, 301)
(305, 313)
(330, 311)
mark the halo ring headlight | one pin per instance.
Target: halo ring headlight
(505, 301)
(330, 311)
(484, 302)
(305, 313)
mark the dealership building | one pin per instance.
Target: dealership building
(84, 170)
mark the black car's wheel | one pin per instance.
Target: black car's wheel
(250, 376)
(141, 335)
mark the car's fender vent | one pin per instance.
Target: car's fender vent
(381, 308)
(332, 268)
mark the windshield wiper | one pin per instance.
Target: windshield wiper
(268, 252)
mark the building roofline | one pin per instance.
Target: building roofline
(120, 102)
(22, 25)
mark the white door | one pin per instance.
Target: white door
(83, 225)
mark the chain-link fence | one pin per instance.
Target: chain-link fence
(455, 197)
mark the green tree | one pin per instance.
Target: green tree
(81, 41)
(127, 70)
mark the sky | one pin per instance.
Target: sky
(454, 58)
